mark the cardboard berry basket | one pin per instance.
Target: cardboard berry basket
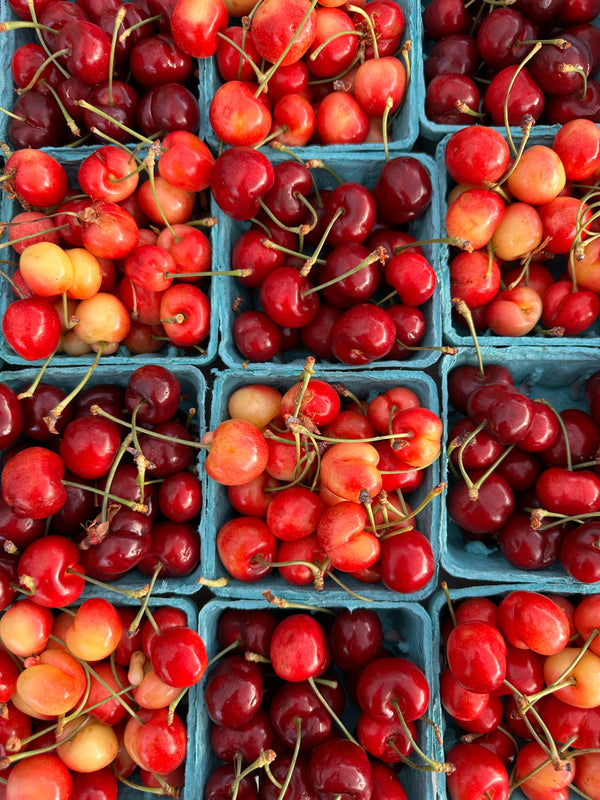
(407, 633)
(14, 38)
(434, 132)
(193, 388)
(429, 520)
(353, 167)
(440, 618)
(169, 354)
(540, 372)
(454, 332)
(186, 708)
(405, 122)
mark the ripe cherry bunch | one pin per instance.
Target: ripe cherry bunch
(332, 271)
(115, 259)
(318, 488)
(303, 73)
(97, 485)
(520, 684)
(498, 64)
(92, 693)
(526, 473)
(98, 71)
(531, 221)
(313, 705)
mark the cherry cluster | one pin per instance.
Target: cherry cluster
(319, 702)
(113, 259)
(318, 488)
(96, 485)
(302, 75)
(526, 474)
(332, 271)
(520, 686)
(91, 694)
(99, 71)
(499, 65)
(531, 223)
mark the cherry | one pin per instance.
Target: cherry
(241, 175)
(299, 648)
(477, 771)
(340, 766)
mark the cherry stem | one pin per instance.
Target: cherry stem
(51, 58)
(301, 230)
(330, 710)
(271, 245)
(526, 131)
(435, 492)
(308, 265)
(144, 607)
(163, 789)
(369, 24)
(31, 390)
(377, 255)
(258, 72)
(96, 410)
(449, 603)
(33, 15)
(563, 428)
(317, 163)
(134, 134)
(266, 757)
(7, 760)
(432, 765)
(56, 413)
(389, 102)
(283, 787)
(315, 54)
(146, 21)
(530, 55)
(72, 125)
(129, 503)
(273, 68)
(463, 309)
(232, 646)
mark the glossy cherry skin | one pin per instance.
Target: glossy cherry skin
(362, 334)
(488, 512)
(53, 564)
(340, 767)
(402, 191)
(240, 176)
(388, 679)
(299, 648)
(477, 772)
(476, 654)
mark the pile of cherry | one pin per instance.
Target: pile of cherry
(340, 82)
(531, 58)
(96, 486)
(90, 698)
(114, 259)
(338, 274)
(318, 487)
(99, 72)
(317, 702)
(520, 684)
(527, 209)
(526, 475)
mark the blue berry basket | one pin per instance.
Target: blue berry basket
(437, 608)
(193, 387)
(434, 132)
(358, 168)
(453, 332)
(407, 631)
(12, 39)
(405, 125)
(429, 521)
(169, 354)
(189, 705)
(539, 372)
